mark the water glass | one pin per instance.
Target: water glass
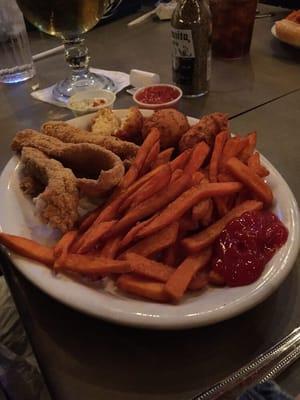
(16, 63)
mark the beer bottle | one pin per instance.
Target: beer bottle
(191, 46)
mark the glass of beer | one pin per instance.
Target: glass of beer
(233, 22)
(69, 19)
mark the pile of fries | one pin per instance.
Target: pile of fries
(154, 236)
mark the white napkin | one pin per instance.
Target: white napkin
(121, 80)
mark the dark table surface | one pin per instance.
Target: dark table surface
(85, 358)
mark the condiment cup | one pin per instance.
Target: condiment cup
(106, 95)
(157, 106)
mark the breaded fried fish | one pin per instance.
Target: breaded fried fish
(69, 134)
(97, 169)
(58, 203)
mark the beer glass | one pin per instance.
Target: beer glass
(69, 19)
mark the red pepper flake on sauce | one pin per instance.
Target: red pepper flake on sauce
(157, 95)
(246, 245)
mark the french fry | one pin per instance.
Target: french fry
(220, 141)
(90, 265)
(179, 281)
(205, 238)
(28, 248)
(176, 209)
(180, 161)
(150, 187)
(151, 158)
(152, 205)
(255, 165)
(163, 157)
(250, 147)
(92, 236)
(197, 158)
(111, 247)
(232, 148)
(136, 167)
(157, 242)
(64, 244)
(198, 282)
(244, 174)
(149, 268)
(141, 287)
(215, 278)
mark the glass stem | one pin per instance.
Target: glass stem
(76, 53)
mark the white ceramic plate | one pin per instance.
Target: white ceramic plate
(273, 31)
(213, 305)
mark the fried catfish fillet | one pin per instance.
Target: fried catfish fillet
(69, 134)
(97, 169)
(57, 205)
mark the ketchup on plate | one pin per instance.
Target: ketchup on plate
(246, 245)
(157, 95)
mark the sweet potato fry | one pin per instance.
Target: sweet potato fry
(150, 187)
(180, 161)
(220, 141)
(255, 165)
(157, 242)
(187, 224)
(232, 148)
(64, 244)
(131, 234)
(197, 158)
(225, 177)
(171, 255)
(175, 210)
(244, 174)
(92, 236)
(200, 210)
(250, 147)
(221, 204)
(215, 278)
(88, 219)
(207, 219)
(152, 205)
(198, 177)
(28, 248)
(142, 154)
(205, 238)
(111, 248)
(198, 282)
(163, 157)
(151, 158)
(91, 266)
(142, 287)
(149, 268)
(182, 276)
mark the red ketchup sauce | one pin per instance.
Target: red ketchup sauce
(246, 245)
(157, 95)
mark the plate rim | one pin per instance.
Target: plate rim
(123, 317)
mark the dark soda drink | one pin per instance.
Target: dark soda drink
(233, 22)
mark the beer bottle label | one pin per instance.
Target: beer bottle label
(183, 46)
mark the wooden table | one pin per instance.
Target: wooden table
(84, 358)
